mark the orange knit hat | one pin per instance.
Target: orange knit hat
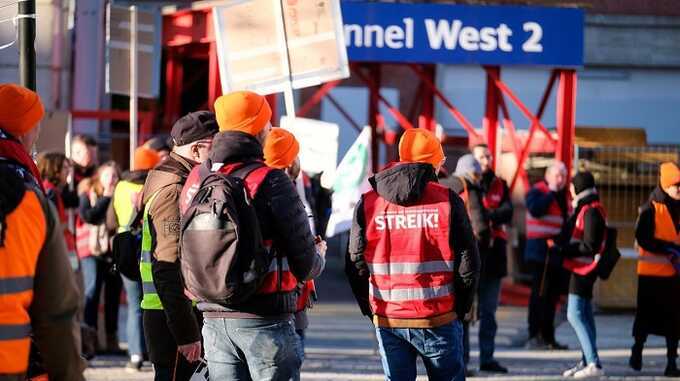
(420, 146)
(145, 159)
(280, 149)
(20, 109)
(669, 174)
(243, 111)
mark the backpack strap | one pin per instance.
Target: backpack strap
(253, 174)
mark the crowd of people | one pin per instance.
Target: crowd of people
(222, 238)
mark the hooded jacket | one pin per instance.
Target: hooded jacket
(166, 181)
(404, 184)
(644, 229)
(282, 220)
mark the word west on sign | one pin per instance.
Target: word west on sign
(436, 33)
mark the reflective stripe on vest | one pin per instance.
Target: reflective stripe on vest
(492, 201)
(586, 264)
(150, 299)
(409, 256)
(549, 225)
(657, 264)
(125, 198)
(26, 229)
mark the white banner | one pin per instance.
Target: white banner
(318, 146)
(350, 183)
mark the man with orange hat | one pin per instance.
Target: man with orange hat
(414, 260)
(124, 206)
(235, 335)
(38, 292)
(658, 236)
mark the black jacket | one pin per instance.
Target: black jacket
(404, 184)
(282, 219)
(495, 260)
(594, 229)
(479, 216)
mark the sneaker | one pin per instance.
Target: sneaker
(572, 371)
(555, 346)
(133, 366)
(535, 343)
(591, 370)
(493, 367)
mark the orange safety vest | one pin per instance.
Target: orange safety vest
(658, 264)
(549, 225)
(24, 236)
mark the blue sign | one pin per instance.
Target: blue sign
(462, 34)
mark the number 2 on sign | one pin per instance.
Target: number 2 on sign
(533, 43)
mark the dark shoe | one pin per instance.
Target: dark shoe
(535, 343)
(555, 346)
(635, 360)
(113, 347)
(672, 370)
(469, 372)
(493, 367)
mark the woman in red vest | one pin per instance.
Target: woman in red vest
(584, 241)
(658, 236)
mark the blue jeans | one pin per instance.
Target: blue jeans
(580, 316)
(441, 350)
(135, 333)
(97, 273)
(251, 349)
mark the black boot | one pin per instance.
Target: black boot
(635, 360)
(671, 369)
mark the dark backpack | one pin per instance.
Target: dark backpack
(127, 247)
(223, 256)
(610, 256)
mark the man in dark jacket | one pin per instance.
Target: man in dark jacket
(498, 206)
(547, 213)
(170, 323)
(419, 317)
(257, 339)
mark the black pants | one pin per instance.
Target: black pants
(671, 346)
(543, 303)
(163, 349)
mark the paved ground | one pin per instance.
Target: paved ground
(341, 346)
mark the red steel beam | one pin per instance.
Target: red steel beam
(490, 121)
(566, 118)
(214, 85)
(457, 115)
(316, 98)
(174, 73)
(426, 119)
(343, 112)
(374, 112)
(274, 105)
(398, 116)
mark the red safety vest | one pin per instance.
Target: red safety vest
(492, 200)
(69, 237)
(408, 255)
(549, 225)
(278, 278)
(586, 264)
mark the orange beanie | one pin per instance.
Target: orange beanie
(145, 159)
(669, 174)
(20, 109)
(420, 146)
(243, 111)
(280, 149)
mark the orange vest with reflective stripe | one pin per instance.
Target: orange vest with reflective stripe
(409, 257)
(548, 225)
(25, 233)
(657, 264)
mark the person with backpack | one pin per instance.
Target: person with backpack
(171, 327)
(413, 263)
(657, 233)
(122, 209)
(38, 293)
(582, 244)
(466, 183)
(281, 152)
(261, 241)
